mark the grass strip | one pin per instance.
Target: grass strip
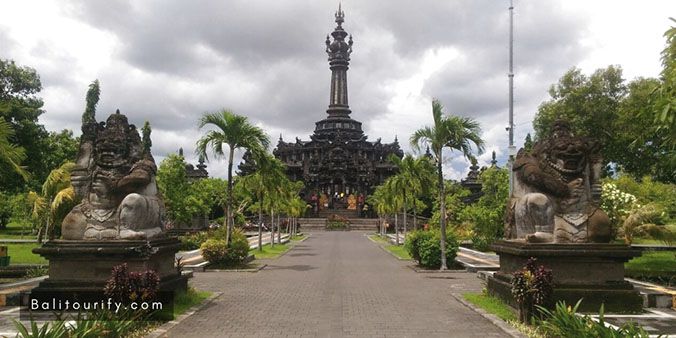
(491, 305)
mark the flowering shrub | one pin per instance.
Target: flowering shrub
(125, 286)
(531, 286)
(616, 203)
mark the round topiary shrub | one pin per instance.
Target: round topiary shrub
(215, 251)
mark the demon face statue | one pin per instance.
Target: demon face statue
(557, 190)
(115, 179)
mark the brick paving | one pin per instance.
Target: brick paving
(336, 284)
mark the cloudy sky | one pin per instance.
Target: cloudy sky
(170, 61)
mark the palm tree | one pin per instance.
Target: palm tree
(263, 182)
(235, 132)
(456, 133)
(11, 154)
(412, 180)
(395, 190)
(57, 199)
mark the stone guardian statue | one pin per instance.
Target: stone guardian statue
(557, 191)
(115, 180)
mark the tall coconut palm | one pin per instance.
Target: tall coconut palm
(456, 133)
(11, 154)
(234, 132)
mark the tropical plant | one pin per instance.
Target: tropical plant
(11, 154)
(456, 133)
(414, 179)
(564, 321)
(380, 201)
(56, 201)
(531, 286)
(234, 132)
(131, 286)
(261, 186)
(644, 221)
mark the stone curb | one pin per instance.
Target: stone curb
(419, 270)
(290, 248)
(504, 326)
(256, 269)
(164, 328)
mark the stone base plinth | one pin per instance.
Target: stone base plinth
(81, 268)
(592, 272)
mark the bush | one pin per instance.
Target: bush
(239, 248)
(126, 287)
(424, 247)
(413, 241)
(193, 241)
(215, 251)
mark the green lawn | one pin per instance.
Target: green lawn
(21, 254)
(652, 264)
(491, 305)
(15, 230)
(270, 252)
(397, 250)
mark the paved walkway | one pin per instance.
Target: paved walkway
(336, 284)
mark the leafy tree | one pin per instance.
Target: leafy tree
(172, 182)
(234, 132)
(20, 107)
(603, 107)
(589, 103)
(642, 153)
(487, 214)
(665, 105)
(456, 133)
(10, 154)
(62, 147)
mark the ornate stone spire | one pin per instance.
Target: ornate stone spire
(339, 59)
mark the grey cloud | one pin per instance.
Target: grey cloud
(266, 59)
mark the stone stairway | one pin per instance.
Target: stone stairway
(370, 224)
(345, 213)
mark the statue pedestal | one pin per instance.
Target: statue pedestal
(80, 269)
(591, 271)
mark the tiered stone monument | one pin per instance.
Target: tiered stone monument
(119, 219)
(554, 216)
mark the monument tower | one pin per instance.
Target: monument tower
(337, 158)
